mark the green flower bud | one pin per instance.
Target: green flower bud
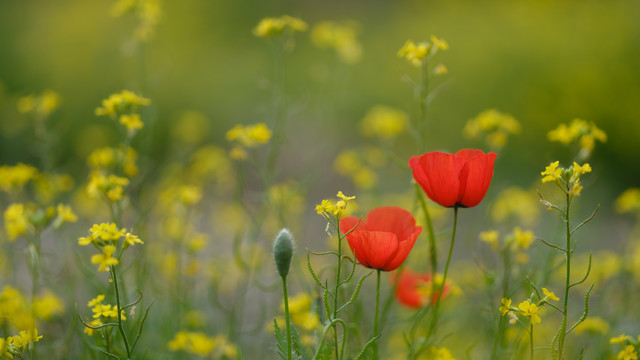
(283, 251)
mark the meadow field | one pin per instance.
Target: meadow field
(319, 180)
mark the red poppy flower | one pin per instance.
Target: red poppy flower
(413, 290)
(459, 179)
(384, 239)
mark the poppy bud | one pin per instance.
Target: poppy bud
(283, 251)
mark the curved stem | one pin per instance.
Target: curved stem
(434, 319)
(287, 318)
(375, 320)
(335, 295)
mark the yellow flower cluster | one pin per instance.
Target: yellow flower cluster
(585, 133)
(567, 179)
(629, 201)
(111, 186)
(102, 312)
(124, 106)
(107, 159)
(106, 237)
(518, 203)
(417, 53)
(384, 122)
(593, 324)
(16, 222)
(286, 197)
(13, 178)
(440, 353)
(518, 241)
(15, 311)
(21, 219)
(629, 347)
(271, 26)
(359, 165)
(199, 343)
(328, 208)
(16, 345)
(340, 37)
(41, 105)
(496, 125)
(148, 13)
(247, 137)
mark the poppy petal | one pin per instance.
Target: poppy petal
(373, 249)
(391, 219)
(475, 178)
(404, 247)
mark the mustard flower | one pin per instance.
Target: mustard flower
(505, 307)
(16, 222)
(105, 259)
(384, 122)
(552, 172)
(249, 136)
(531, 311)
(270, 27)
(119, 103)
(549, 295)
(13, 178)
(620, 339)
(629, 201)
(131, 122)
(490, 237)
(40, 105)
(496, 125)
(415, 53)
(628, 353)
(340, 37)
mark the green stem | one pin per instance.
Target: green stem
(287, 318)
(375, 320)
(531, 340)
(434, 318)
(335, 295)
(114, 276)
(563, 327)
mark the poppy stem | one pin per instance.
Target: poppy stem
(434, 319)
(287, 317)
(375, 320)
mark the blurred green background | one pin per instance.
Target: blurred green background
(544, 62)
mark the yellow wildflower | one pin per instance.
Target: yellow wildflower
(549, 294)
(505, 307)
(593, 324)
(439, 43)
(105, 259)
(415, 53)
(523, 239)
(628, 353)
(620, 339)
(440, 353)
(551, 172)
(95, 301)
(130, 240)
(120, 103)
(65, 213)
(326, 206)
(42, 105)
(518, 203)
(490, 237)
(25, 337)
(95, 322)
(48, 305)
(269, 27)
(16, 222)
(531, 311)
(496, 125)
(341, 37)
(384, 122)
(440, 69)
(249, 136)
(629, 201)
(131, 122)
(13, 178)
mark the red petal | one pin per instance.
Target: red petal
(404, 247)
(391, 219)
(441, 172)
(373, 249)
(475, 178)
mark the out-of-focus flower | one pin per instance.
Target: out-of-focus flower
(490, 237)
(454, 180)
(340, 37)
(247, 137)
(359, 164)
(440, 353)
(414, 290)
(199, 343)
(16, 222)
(120, 103)
(593, 324)
(48, 305)
(505, 307)
(13, 178)
(629, 201)
(384, 122)
(40, 105)
(270, 26)
(580, 131)
(147, 12)
(496, 125)
(382, 241)
(516, 202)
